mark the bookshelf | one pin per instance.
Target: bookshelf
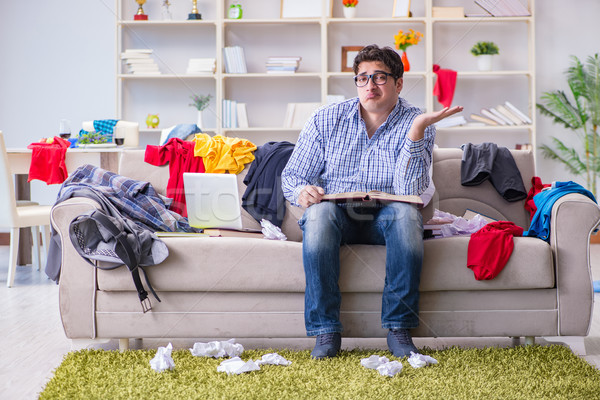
(263, 34)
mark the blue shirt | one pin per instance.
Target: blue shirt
(335, 153)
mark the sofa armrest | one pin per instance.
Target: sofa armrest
(574, 217)
(77, 283)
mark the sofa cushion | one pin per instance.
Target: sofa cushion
(255, 265)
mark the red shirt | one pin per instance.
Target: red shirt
(48, 161)
(179, 154)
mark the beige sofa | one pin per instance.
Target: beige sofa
(254, 288)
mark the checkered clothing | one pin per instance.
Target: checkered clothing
(335, 153)
(105, 127)
(136, 200)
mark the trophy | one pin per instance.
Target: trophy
(140, 16)
(194, 14)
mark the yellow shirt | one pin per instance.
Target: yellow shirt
(223, 154)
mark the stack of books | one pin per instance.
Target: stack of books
(140, 62)
(282, 65)
(201, 66)
(234, 114)
(235, 61)
(503, 114)
(504, 8)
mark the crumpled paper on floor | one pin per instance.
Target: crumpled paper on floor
(390, 368)
(382, 364)
(163, 360)
(217, 349)
(273, 359)
(237, 366)
(417, 360)
(374, 361)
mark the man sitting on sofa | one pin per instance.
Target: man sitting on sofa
(376, 141)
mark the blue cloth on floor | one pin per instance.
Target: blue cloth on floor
(540, 223)
(182, 131)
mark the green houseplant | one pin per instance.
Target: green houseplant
(200, 103)
(581, 115)
(484, 52)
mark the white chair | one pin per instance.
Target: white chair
(16, 215)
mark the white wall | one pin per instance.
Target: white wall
(57, 61)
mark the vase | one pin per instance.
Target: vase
(405, 61)
(199, 122)
(349, 12)
(484, 62)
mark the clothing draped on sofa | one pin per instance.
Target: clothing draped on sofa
(223, 154)
(179, 154)
(540, 223)
(490, 248)
(263, 197)
(488, 161)
(120, 197)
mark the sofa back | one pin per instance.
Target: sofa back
(450, 195)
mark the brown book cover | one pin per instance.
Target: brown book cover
(373, 195)
(220, 232)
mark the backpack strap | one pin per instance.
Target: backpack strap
(129, 259)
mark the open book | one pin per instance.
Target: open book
(372, 196)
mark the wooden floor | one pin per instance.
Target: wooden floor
(33, 342)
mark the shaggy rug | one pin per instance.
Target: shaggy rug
(531, 372)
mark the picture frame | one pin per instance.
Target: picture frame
(401, 8)
(304, 8)
(348, 54)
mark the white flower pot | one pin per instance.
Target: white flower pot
(199, 122)
(484, 62)
(349, 12)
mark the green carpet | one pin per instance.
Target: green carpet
(533, 372)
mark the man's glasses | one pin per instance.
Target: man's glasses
(379, 78)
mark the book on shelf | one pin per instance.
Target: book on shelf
(371, 196)
(297, 114)
(524, 146)
(451, 121)
(235, 61)
(506, 112)
(246, 233)
(504, 8)
(282, 65)
(201, 66)
(447, 12)
(230, 110)
(242, 115)
(485, 120)
(518, 112)
(494, 115)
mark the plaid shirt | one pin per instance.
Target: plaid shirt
(335, 153)
(136, 200)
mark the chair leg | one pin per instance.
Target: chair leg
(35, 234)
(12, 259)
(45, 241)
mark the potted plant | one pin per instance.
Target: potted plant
(349, 8)
(484, 52)
(402, 41)
(581, 115)
(200, 103)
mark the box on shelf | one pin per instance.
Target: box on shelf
(447, 12)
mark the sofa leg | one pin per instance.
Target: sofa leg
(516, 341)
(123, 344)
(529, 340)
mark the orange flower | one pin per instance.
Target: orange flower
(403, 40)
(350, 3)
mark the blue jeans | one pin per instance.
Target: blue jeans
(326, 226)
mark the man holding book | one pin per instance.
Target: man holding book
(376, 141)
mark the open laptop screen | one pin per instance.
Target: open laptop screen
(212, 200)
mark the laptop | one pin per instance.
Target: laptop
(212, 200)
